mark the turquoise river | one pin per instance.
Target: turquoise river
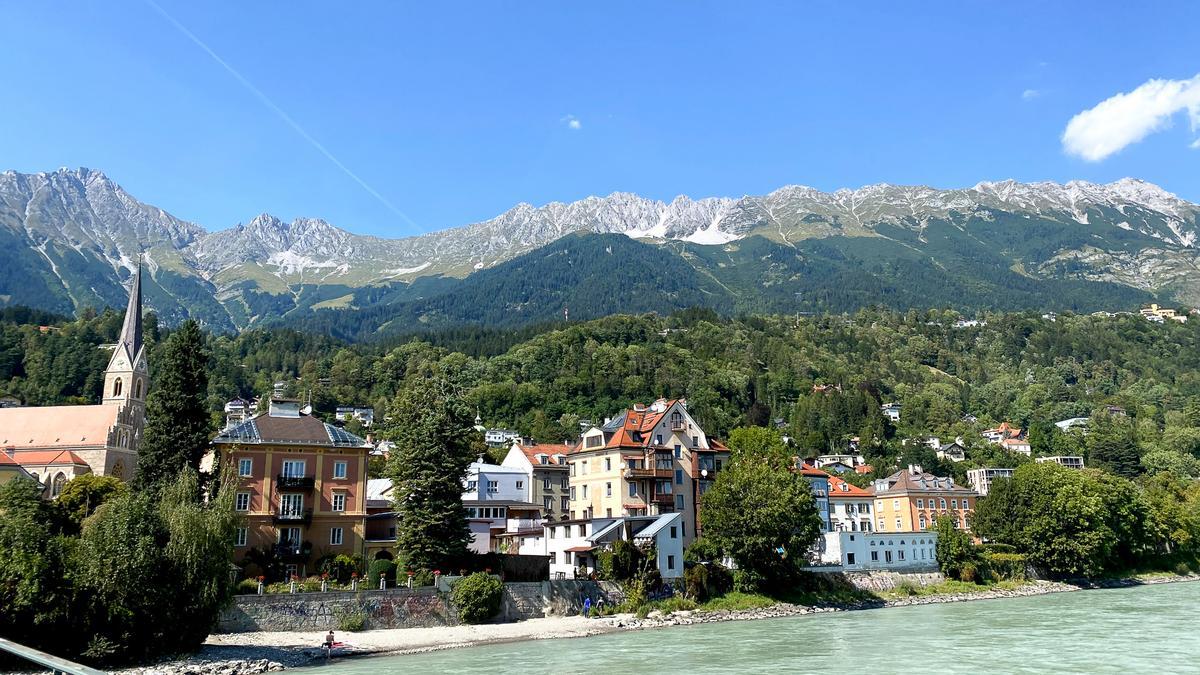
(1152, 628)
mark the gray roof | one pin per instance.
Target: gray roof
(302, 430)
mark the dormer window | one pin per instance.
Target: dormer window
(543, 459)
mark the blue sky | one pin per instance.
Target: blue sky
(453, 114)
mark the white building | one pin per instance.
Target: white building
(851, 460)
(497, 502)
(1069, 462)
(573, 545)
(894, 551)
(891, 411)
(981, 479)
(500, 437)
(1073, 423)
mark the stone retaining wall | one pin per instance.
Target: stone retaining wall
(876, 580)
(404, 608)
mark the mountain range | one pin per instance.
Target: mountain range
(70, 239)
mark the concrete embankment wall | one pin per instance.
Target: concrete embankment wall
(876, 580)
(403, 608)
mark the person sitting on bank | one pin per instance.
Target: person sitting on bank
(329, 640)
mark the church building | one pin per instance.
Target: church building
(55, 443)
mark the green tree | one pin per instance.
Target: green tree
(431, 428)
(761, 444)
(763, 516)
(178, 425)
(82, 495)
(956, 554)
(35, 594)
(1068, 522)
(1112, 445)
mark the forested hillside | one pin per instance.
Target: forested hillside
(1018, 368)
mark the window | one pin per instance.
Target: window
(920, 503)
(520, 485)
(241, 502)
(608, 489)
(548, 504)
(679, 476)
(849, 558)
(565, 506)
(245, 467)
(240, 539)
(117, 387)
(900, 554)
(608, 513)
(896, 504)
(572, 468)
(553, 557)
(874, 556)
(954, 503)
(552, 529)
(673, 532)
(897, 524)
(679, 501)
(633, 489)
(608, 464)
(582, 530)
(291, 505)
(943, 502)
(293, 468)
(492, 486)
(335, 536)
(966, 504)
(658, 439)
(339, 470)
(881, 525)
(583, 467)
(695, 441)
(670, 562)
(137, 388)
(585, 491)
(339, 501)
(565, 483)
(472, 486)
(545, 483)
(922, 522)
(678, 451)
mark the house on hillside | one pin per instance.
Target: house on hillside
(1061, 460)
(573, 546)
(981, 479)
(891, 411)
(849, 506)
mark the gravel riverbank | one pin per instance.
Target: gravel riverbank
(249, 653)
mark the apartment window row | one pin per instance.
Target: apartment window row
(492, 512)
(292, 468)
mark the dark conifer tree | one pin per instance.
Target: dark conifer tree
(178, 424)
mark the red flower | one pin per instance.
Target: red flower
(354, 575)
(410, 573)
(261, 578)
(437, 573)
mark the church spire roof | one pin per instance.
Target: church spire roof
(131, 330)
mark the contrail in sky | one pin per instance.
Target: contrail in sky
(280, 112)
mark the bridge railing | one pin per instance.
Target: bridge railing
(54, 663)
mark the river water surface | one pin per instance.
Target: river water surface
(1143, 629)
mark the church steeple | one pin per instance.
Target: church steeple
(131, 330)
(127, 377)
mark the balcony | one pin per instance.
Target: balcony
(711, 475)
(292, 517)
(293, 552)
(295, 482)
(664, 498)
(642, 472)
(678, 425)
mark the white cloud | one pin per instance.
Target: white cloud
(572, 122)
(1195, 144)
(1030, 94)
(1127, 118)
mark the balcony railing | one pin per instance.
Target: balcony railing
(642, 472)
(711, 474)
(293, 517)
(293, 551)
(678, 425)
(295, 482)
(664, 498)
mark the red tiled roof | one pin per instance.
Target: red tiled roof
(809, 470)
(531, 452)
(5, 460)
(47, 458)
(839, 488)
(60, 426)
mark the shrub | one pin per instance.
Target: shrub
(352, 621)
(906, 587)
(477, 597)
(340, 567)
(247, 587)
(703, 581)
(381, 568)
(968, 572)
(1005, 566)
(604, 565)
(998, 548)
(1183, 569)
(423, 578)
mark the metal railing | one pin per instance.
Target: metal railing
(54, 663)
